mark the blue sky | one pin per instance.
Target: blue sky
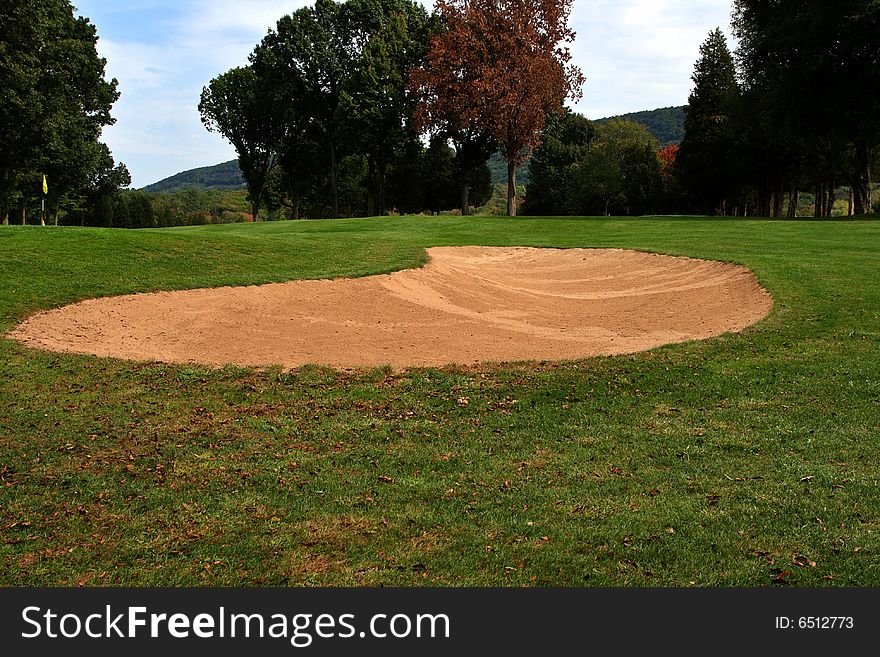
(636, 54)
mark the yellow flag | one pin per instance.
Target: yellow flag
(45, 186)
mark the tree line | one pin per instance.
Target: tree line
(55, 103)
(415, 103)
(363, 107)
(789, 112)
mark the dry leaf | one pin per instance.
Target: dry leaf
(803, 562)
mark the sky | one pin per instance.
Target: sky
(636, 55)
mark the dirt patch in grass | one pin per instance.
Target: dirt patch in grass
(468, 305)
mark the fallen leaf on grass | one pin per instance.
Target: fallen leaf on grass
(386, 480)
(803, 562)
(779, 576)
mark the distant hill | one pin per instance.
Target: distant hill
(667, 124)
(226, 176)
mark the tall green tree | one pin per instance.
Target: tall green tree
(618, 174)
(234, 104)
(375, 102)
(56, 100)
(306, 60)
(814, 64)
(704, 161)
(565, 142)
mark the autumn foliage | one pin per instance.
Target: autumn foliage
(667, 156)
(498, 68)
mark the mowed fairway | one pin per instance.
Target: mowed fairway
(745, 460)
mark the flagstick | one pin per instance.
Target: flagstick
(43, 203)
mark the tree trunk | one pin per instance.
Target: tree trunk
(511, 188)
(382, 208)
(296, 198)
(4, 191)
(870, 182)
(465, 199)
(793, 197)
(861, 180)
(371, 184)
(334, 181)
(819, 205)
(829, 200)
(778, 194)
(256, 194)
(763, 209)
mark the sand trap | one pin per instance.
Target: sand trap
(468, 305)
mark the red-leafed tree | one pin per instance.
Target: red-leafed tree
(497, 70)
(667, 156)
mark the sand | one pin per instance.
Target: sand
(468, 305)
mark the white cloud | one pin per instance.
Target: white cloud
(640, 54)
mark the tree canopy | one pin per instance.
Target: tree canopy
(496, 71)
(233, 104)
(793, 110)
(340, 96)
(705, 157)
(56, 102)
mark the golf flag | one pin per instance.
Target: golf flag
(45, 186)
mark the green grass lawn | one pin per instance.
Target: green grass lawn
(745, 460)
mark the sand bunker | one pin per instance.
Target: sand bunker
(468, 305)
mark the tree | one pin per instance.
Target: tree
(618, 174)
(449, 107)
(234, 104)
(703, 161)
(810, 66)
(565, 142)
(672, 196)
(305, 61)
(56, 101)
(375, 104)
(495, 72)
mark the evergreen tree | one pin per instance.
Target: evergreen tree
(810, 66)
(705, 158)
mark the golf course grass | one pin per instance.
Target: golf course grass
(744, 460)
